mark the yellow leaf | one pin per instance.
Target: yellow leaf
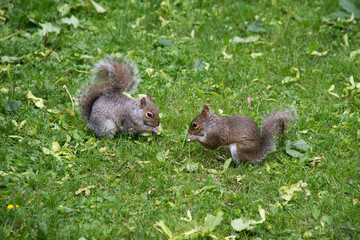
(256, 55)
(46, 150)
(164, 229)
(292, 79)
(189, 218)
(55, 147)
(4, 90)
(39, 102)
(85, 189)
(354, 53)
(227, 56)
(316, 53)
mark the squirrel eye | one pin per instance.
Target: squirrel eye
(149, 114)
(194, 125)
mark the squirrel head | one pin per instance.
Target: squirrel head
(150, 112)
(197, 125)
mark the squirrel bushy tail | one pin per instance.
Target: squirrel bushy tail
(275, 124)
(111, 75)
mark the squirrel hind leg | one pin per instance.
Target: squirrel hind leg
(107, 127)
(243, 154)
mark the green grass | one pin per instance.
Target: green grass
(134, 182)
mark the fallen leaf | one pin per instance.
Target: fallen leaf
(48, 28)
(189, 217)
(70, 112)
(212, 221)
(97, 7)
(85, 189)
(256, 55)
(330, 91)
(163, 229)
(249, 99)
(227, 56)
(71, 21)
(320, 54)
(39, 102)
(255, 27)
(353, 54)
(287, 193)
(292, 79)
(245, 40)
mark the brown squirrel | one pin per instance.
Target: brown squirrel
(239, 133)
(107, 110)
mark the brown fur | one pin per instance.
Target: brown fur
(240, 133)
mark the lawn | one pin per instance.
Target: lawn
(59, 181)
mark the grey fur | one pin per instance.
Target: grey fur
(107, 110)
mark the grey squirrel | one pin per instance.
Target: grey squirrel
(239, 133)
(107, 110)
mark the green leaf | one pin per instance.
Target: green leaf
(339, 14)
(11, 105)
(199, 65)
(64, 9)
(63, 209)
(162, 156)
(42, 231)
(350, 7)
(166, 42)
(226, 165)
(7, 59)
(294, 153)
(97, 7)
(241, 224)
(192, 167)
(48, 28)
(296, 148)
(211, 221)
(312, 48)
(301, 145)
(71, 21)
(255, 27)
(287, 193)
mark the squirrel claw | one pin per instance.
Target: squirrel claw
(191, 138)
(155, 130)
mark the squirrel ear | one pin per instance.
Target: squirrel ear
(149, 96)
(142, 103)
(204, 112)
(206, 108)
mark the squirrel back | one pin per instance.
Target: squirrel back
(111, 75)
(107, 110)
(239, 133)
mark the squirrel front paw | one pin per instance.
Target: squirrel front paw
(155, 130)
(191, 138)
